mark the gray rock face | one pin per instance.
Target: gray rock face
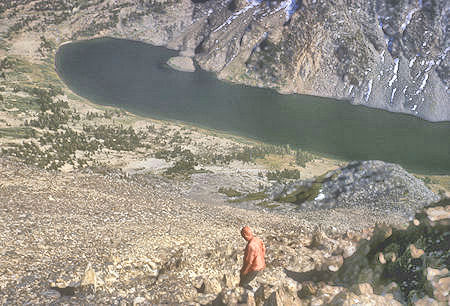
(384, 54)
(374, 184)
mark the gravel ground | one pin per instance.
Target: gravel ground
(53, 224)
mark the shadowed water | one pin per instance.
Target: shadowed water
(134, 76)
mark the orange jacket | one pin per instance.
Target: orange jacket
(254, 253)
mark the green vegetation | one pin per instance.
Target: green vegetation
(98, 25)
(307, 192)
(302, 194)
(254, 196)
(108, 114)
(55, 150)
(17, 132)
(250, 154)
(229, 192)
(176, 152)
(19, 25)
(46, 46)
(410, 272)
(182, 167)
(303, 157)
(284, 174)
(116, 138)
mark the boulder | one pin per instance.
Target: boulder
(282, 297)
(230, 280)
(438, 284)
(308, 289)
(234, 296)
(263, 293)
(438, 213)
(181, 63)
(426, 301)
(349, 251)
(394, 289)
(415, 252)
(345, 298)
(90, 280)
(138, 300)
(332, 263)
(361, 289)
(51, 294)
(211, 286)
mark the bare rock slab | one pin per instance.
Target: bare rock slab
(181, 63)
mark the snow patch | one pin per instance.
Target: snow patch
(424, 83)
(369, 90)
(430, 65)
(252, 4)
(350, 89)
(396, 61)
(289, 7)
(408, 19)
(394, 77)
(393, 94)
(320, 196)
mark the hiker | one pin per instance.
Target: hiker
(253, 257)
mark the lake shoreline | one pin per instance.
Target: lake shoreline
(348, 112)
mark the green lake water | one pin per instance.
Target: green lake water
(134, 76)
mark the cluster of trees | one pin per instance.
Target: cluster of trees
(69, 141)
(176, 152)
(56, 148)
(52, 114)
(108, 114)
(229, 192)
(8, 63)
(185, 164)
(302, 157)
(97, 26)
(31, 153)
(182, 167)
(284, 174)
(251, 154)
(58, 143)
(22, 23)
(116, 138)
(46, 46)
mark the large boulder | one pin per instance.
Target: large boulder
(372, 184)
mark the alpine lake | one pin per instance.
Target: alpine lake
(134, 76)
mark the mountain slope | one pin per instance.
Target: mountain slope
(385, 54)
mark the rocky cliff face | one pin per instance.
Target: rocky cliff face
(384, 54)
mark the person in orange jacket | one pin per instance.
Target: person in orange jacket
(253, 257)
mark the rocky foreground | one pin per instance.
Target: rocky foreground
(81, 237)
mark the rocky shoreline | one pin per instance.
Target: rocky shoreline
(181, 63)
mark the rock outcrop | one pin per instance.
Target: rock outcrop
(373, 184)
